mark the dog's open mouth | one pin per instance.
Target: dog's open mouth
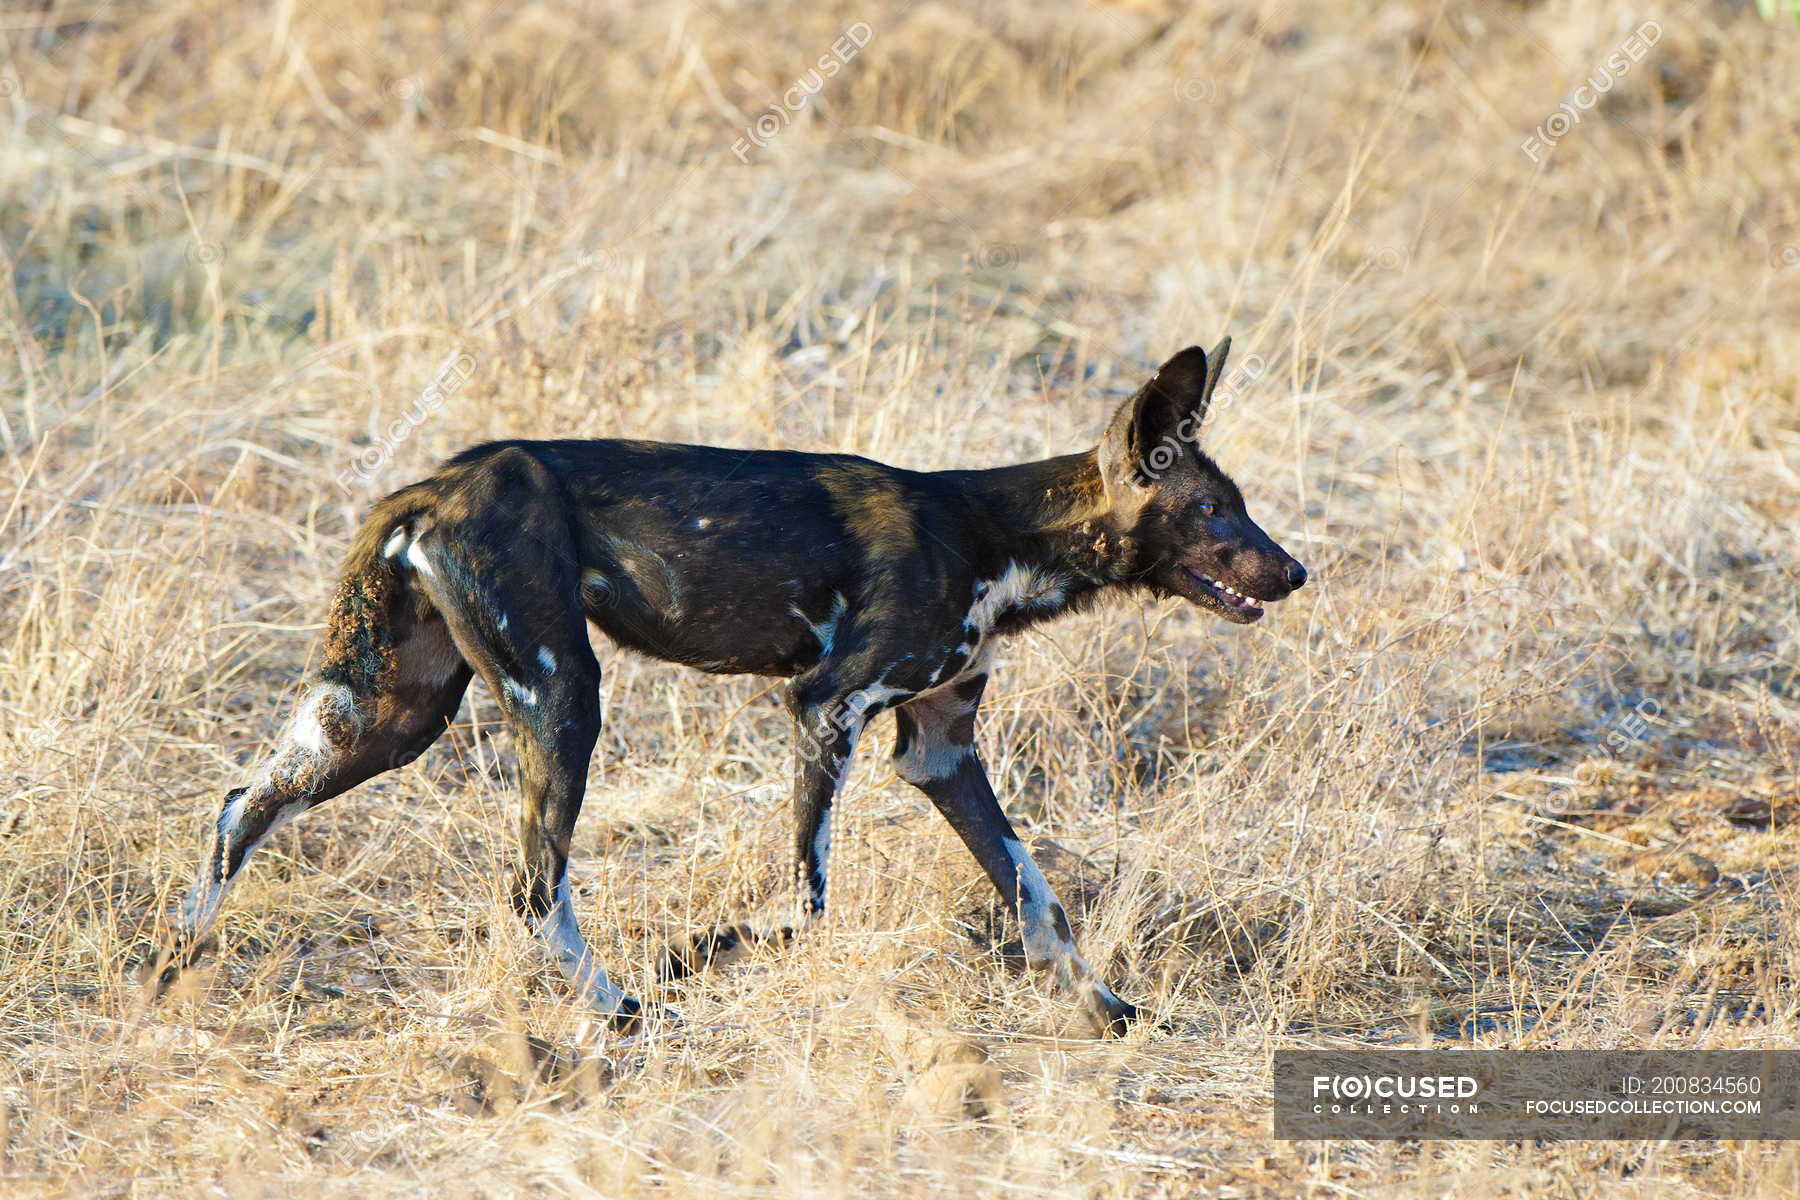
(1234, 602)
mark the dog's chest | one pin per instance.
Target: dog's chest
(1017, 594)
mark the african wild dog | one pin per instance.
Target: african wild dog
(867, 587)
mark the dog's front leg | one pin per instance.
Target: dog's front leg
(828, 720)
(934, 751)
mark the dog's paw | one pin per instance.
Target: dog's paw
(1111, 1016)
(632, 1019)
(628, 1017)
(155, 969)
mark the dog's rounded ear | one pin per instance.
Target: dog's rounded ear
(1174, 402)
(1161, 423)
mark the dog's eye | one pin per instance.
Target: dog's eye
(1206, 508)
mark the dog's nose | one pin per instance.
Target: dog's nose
(1296, 574)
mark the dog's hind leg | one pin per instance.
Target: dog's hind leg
(934, 750)
(506, 578)
(390, 682)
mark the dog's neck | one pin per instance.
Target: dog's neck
(1054, 516)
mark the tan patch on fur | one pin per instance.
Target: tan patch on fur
(654, 578)
(872, 506)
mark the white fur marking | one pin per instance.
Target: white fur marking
(416, 558)
(395, 541)
(232, 819)
(825, 630)
(822, 849)
(546, 660)
(307, 731)
(201, 907)
(561, 933)
(1043, 945)
(520, 692)
(303, 747)
(1018, 587)
(929, 758)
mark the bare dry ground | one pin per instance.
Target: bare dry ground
(1517, 769)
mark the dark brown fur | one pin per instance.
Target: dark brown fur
(868, 587)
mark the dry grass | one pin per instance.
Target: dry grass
(1533, 427)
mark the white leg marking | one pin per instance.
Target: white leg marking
(1045, 945)
(546, 660)
(307, 731)
(208, 893)
(204, 899)
(520, 692)
(929, 758)
(822, 850)
(562, 934)
(201, 908)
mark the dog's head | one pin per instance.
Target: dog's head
(1183, 518)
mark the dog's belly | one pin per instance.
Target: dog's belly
(727, 626)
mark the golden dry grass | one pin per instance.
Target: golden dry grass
(1533, 426)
